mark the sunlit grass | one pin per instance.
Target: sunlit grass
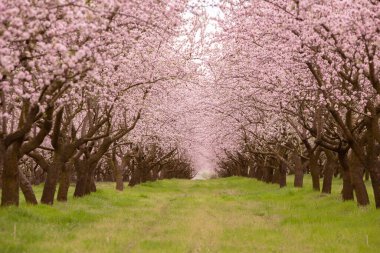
(221, 215)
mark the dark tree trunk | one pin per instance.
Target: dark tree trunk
(118, 171)
(134, 180)
(282, 174)
(375, 180)
(80, 186)
(356, 172)
(90, 183)
(51, 180)
(315, 178)
(64, 184)
(93, 184)
(80, 168)
(348, 189)
(119, 181)
(10, 177)
(360, 189)
(373, 151)
(155, 173)
(327, 179)
(259, 173)
(314, 170)
(81, 179)
(268, 174)
(328, 172)
(298, 171)
(298, 179)
(144, 173)
(2, 153)
(276, 176)
(27, 190)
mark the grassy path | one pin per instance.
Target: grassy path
(223, 215)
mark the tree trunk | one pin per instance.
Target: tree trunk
(328, 172)
(51, 180)
(119, 181)
(314, 170)
(90, 183)
(282, 175)
(134, 177)
(10, 177)
(359, 188)
(348, 189)
(27, 190)
(375, 180)
(81, 169)
(80, 184)
(373, 151)
(276, 176)
(118, 171)
(298, 178)
(356, 172)
(259, 173)
(327, 179)
(2, 153)
(268, 174)
(64, 183)
(155, 173)
(298, 171)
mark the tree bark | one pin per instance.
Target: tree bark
(348, 189)
(10, 177)
(375, 176)
(356, 172)
(298, 171)
(80, 185)
(373, 164)
(118, 173)
(52, 178)
(276, 175)
(314, 169)
(259, 173)
(328, 172)
(135, 176)
(282, 174)
(2, 153)
(27, 190)
(90, 185)
(327, 179)
(64, 183)
(58, 163)
(81, 169)
(119, 180)
(268, 174)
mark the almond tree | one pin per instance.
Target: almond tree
(55, 52)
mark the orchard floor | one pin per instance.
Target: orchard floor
(220, 215)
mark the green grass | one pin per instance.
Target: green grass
(221, 215)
